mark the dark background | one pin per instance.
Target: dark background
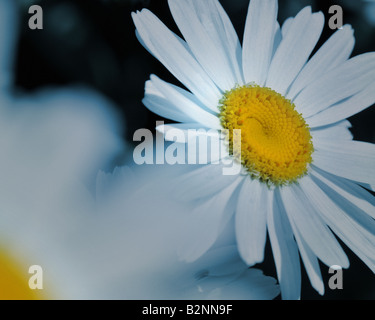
(93, 42)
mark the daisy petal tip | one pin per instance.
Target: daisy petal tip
(344, 264)
(320, 290)
(307, 9)
(249, 261)
(347, 265)
(348, 27)
(318, 285)
(318, 18)
(187, 257)
(142, 13)
(148, 83)
(319, 15)
(134, 15)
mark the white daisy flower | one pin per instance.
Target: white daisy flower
(302, 172)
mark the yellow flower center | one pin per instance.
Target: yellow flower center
(276, 145)
(14, 280)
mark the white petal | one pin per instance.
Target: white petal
(286, 26)
(335, 50)
(277, 40)
(173, 53)
(343, 223)
(262, 287)
(202, 183)
(353, 160)
(350, 78)
(184, 102)
(249, 285)
(294, 49)
(221, 261)
(207, 221)
(311, 227)
(337, 131)
(345, 109)
(160, 105)
(251, 220)
(310, 262)
(352, 192)
(259, 40)
(284, 248)
(211, 37)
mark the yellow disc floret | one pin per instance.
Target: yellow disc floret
(276, 145)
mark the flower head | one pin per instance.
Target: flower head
(305, 174)
(275, 141)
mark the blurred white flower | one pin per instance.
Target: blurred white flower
(52, 141)
(123, 247)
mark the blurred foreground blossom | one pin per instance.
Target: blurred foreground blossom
(49, 138)
(52, 142)
(53, 137)
(121, 247)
